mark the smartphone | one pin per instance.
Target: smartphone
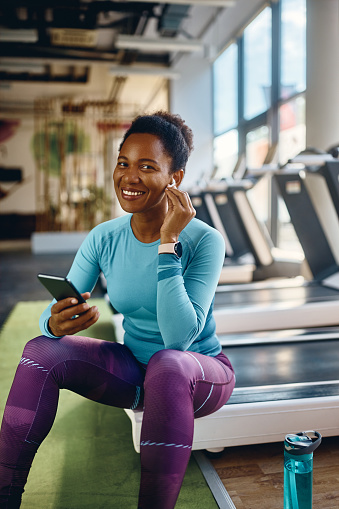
(60, 287)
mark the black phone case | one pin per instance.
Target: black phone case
(60, 287)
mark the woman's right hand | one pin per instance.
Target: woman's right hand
(61, 322)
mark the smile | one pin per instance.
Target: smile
(132, 193)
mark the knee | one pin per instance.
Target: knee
(39, 348)
(165, 367)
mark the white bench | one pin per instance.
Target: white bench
(256, 423)
(251, 423)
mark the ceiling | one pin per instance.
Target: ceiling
(58, 40)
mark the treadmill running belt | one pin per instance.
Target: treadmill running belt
(283, 392)
(268, 296)
(285, 363)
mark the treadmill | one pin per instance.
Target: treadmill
(250, 256)
(325, 173)
(330, 172)
(239, 264)
(228, 205)
(280, 305)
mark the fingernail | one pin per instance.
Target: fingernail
(74, 301)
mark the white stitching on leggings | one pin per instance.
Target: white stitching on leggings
(202, 371)
(205, 399)
(31, 364)
(147, 442)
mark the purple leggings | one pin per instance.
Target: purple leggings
(174, 388)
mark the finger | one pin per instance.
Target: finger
(172, 200)
(190, 204)
(63, 304)
(182, 197)
(68, 313)
(78, 323)
(85, 321)
(177, 197)
(91, 320)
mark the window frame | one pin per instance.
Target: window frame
(270, 117)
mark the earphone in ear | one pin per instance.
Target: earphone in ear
(173, 183)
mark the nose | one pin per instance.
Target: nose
(131, 175)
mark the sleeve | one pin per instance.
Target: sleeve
(84, 274)
(183, 301)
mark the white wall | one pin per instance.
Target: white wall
(322, 92)
(190, 97)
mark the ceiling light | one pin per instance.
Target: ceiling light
(127, 70)
(18, 35)
(161, 44)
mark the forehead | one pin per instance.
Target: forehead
(144, 146)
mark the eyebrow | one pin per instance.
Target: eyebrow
(144, 159)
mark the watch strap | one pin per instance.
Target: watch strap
(167, 248)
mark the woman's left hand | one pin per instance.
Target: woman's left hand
(180, 213)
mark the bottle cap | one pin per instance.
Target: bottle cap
(304, 442)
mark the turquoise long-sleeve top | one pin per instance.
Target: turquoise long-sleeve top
(166, 301)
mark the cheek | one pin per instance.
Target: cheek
(115, 176)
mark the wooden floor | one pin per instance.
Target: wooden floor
(254, 475)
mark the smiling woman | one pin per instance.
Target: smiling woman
(142, 175)
(162, 267)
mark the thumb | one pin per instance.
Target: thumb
(170, 202)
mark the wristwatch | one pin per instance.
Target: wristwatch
(172, 248)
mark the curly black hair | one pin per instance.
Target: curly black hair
(175, 135)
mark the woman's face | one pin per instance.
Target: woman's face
(142, 174)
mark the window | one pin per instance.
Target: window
(259, 102)
(293, 47)
(257, 144)
(292, 132)
(225, 154)
(257, 64)
(225, 90)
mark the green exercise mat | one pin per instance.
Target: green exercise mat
(88, 460)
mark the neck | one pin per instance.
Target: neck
(147, 229)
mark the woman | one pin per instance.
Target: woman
(162, 268)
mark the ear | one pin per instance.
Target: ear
(177, 177)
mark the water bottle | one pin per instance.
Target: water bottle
(298, 469)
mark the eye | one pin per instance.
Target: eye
(122, 164)
(147, 167)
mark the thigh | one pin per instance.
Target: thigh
(99, 370)
(213, 380)
(177, 379)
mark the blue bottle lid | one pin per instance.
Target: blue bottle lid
(301, 443)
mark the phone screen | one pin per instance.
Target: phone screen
(60, 287)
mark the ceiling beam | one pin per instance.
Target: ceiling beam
(158, 44)
(18, 35)
(127, 70)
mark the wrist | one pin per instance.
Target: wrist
(50, 329)
(171, 248)
(169, 239)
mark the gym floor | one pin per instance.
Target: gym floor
(18, 274)
(252, 475)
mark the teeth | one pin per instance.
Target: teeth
(132, 193)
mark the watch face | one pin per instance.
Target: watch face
(178, 249)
